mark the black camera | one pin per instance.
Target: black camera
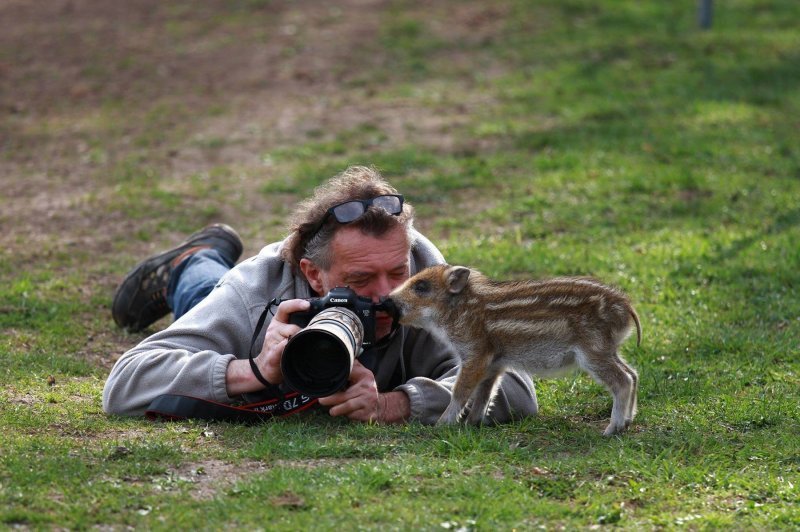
(318, 360)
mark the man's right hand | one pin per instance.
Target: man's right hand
(239, 378)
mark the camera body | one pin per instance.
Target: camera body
(343, 296)
(317, 361)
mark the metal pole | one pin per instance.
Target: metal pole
(704, 13)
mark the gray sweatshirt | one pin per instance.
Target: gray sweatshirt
(191, 356)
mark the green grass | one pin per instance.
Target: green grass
(609, 138)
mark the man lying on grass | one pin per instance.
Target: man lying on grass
(355, 231)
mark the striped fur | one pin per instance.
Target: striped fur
(543, 327)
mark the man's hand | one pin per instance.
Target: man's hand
(275, 339)
(361, 401)
(239, 377)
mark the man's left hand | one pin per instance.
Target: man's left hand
(361, 401)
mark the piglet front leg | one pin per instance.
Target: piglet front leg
(482, 398)
(471, 374)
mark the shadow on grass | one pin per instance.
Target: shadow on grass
(782, 223)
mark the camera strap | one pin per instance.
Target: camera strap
(171, 407)
(259, 326)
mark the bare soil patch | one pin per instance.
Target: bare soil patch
(209, 477)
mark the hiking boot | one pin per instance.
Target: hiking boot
(141, 299)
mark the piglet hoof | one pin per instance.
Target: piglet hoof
(613, 429)
(448, 418)
(450, 415)
(474, 420)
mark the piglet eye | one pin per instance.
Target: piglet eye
(421, 287)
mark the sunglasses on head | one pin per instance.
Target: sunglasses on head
(350, 211)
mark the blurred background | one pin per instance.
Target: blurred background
(615, 138)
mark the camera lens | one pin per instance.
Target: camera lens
(317, 361)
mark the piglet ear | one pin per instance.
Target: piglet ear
(456, 279)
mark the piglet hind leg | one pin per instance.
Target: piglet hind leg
(620, 379)
(632, 405)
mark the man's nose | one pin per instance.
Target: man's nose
(380, 289)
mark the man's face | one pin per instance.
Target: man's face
(371, 266)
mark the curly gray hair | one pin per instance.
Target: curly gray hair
(355, 183)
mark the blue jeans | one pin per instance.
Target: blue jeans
(194, 278)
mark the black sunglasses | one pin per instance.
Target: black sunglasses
(350, 211)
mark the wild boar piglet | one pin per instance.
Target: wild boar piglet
(543, 327)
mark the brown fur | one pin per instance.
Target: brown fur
(542, 327)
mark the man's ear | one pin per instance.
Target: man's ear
(313, 274)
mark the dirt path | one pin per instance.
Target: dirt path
(88, 87)
(92, 92)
